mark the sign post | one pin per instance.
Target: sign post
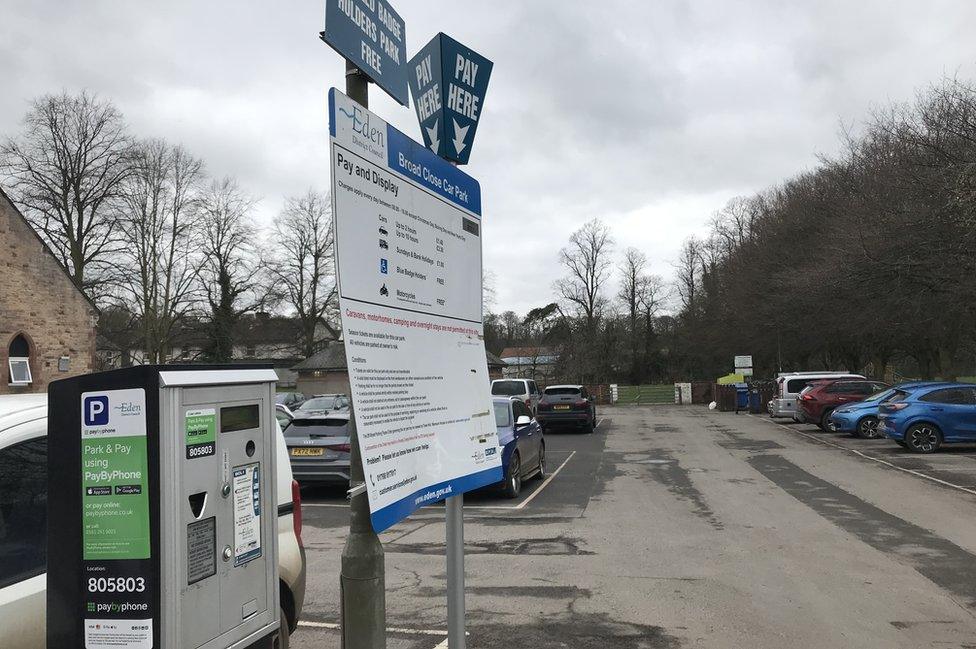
(449, 82)
(408, 256)
(362, 581)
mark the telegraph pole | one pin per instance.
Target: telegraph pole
(362, 581)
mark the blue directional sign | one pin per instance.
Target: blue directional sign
(374, 37)
(449, 82)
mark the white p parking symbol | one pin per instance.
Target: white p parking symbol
(96, 411)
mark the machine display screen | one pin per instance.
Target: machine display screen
(234, 418)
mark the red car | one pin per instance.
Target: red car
(820, 398)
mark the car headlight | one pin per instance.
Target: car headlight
(843, 411)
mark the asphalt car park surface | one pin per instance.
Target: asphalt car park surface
(681, 527)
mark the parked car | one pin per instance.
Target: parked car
(284, 415)
(318, 446)
(789, 386)
(822, 397)
(860, 418)
(23, 526)
(567, 405)
(522, 444)
(925, 417)
(525, 390)
(291, 399)
(323, 404)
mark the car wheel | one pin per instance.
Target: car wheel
(542, 462)
(825, 421)
(868, 428)
(283, 634)
(923, 438)
(513, 476)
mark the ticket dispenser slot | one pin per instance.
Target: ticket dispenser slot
(178, 509)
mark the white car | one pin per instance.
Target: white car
(525, 390)
(23, 526)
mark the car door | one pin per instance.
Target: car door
(23, 544)
(527, 437)
(952, 410)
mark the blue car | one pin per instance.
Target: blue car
(925, 417)
(860, 418)
(522, 443)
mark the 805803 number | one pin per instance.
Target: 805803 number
(116, 584)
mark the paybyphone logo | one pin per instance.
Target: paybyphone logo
(96, 411)
(116, 607)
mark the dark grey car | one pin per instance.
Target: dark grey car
(318, 446)
(323, 404)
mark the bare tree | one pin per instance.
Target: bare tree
(489, 294)
(688, 272)
(631, 278)
(587, 258)
(227, 270)
(66, 172)
(302, 268)
(159, 258)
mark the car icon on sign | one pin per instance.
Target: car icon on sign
(384, 245)
(383, 231)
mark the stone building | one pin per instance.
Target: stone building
(47, 325)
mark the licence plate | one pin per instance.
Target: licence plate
(307, 452)
(560, 407)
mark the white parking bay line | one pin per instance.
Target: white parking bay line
(913, 472)
(599, 421)
(535, 493)
(393, 629)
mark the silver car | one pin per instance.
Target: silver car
(318, 446)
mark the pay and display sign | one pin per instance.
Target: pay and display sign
(374, 37)
(408, 256)
(449, 82)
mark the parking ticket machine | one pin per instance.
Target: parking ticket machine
(162, 531)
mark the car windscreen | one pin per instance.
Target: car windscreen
(507, 388)
(318, 428)
(881, 396)
(319, 403)
(899, 395)
(561, 391)
(502, 417)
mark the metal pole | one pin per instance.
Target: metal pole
(455, 567)
(362, 582)
(455, 572)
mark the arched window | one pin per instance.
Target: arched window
(18, 359)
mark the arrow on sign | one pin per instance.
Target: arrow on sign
(459, 135)
(434, 141)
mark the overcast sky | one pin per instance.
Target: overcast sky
(649, 115)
